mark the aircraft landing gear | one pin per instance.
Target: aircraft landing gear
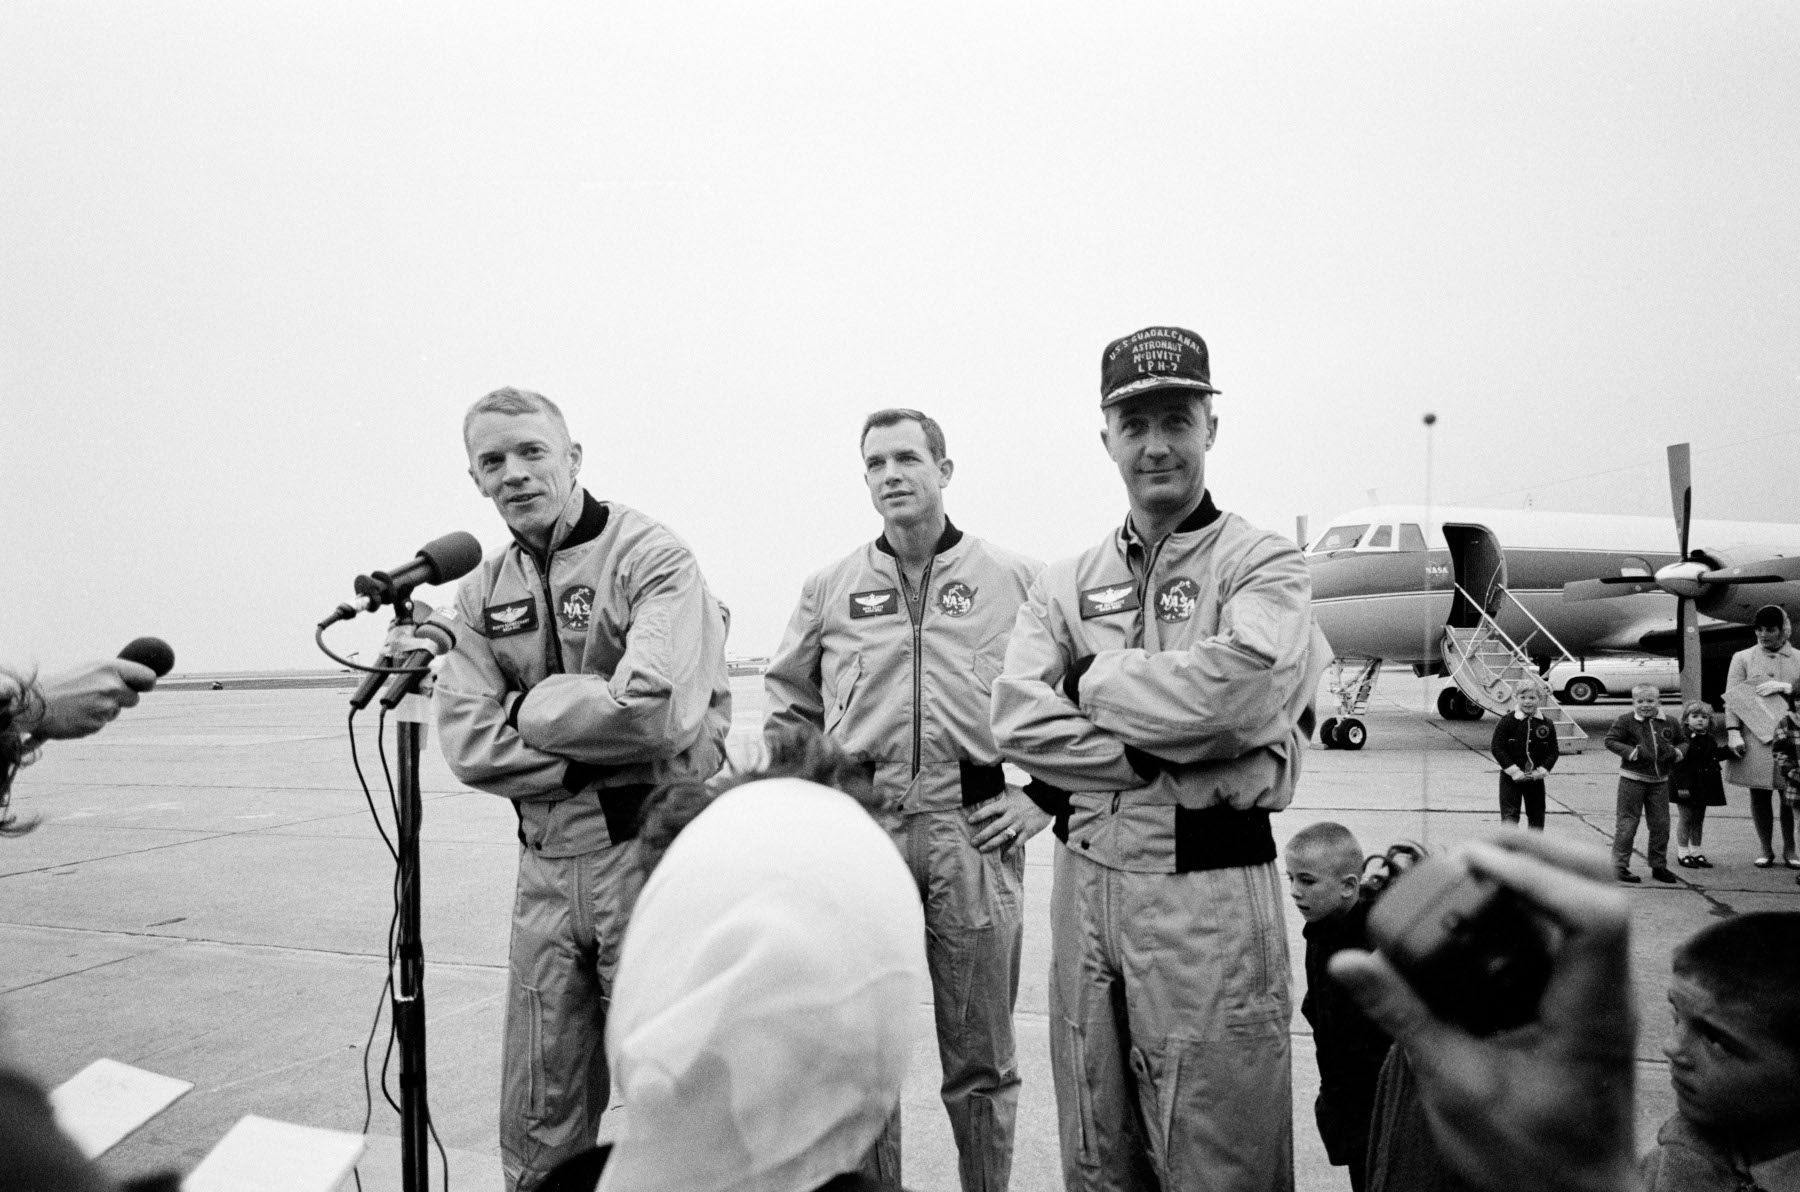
(1452, 704)
(1352, 691)
(1348, 733)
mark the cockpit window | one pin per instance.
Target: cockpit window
(1382, 537)
(1340, 538)
(1411, 537)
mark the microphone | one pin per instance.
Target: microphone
(438, 561)
(152, 652)
(441, 640)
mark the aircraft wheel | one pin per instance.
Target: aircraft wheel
(1582, 691)
(1450, 704)
(1351, 734)
(1328, 732)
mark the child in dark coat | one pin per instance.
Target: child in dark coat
(1324, 870)
(1695, 785)
(1525, 746)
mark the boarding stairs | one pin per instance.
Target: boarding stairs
(1486, 664)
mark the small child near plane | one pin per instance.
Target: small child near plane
(1324, 872)
(1695, 784)
(1525, 746)
(1646, 743)
(1734, 1059)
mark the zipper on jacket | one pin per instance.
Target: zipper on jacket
(918, 650)
(553, 634)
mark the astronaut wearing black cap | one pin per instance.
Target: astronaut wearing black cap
(1164, 680)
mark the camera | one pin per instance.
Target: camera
(1466, 944)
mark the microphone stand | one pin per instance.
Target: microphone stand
(408, 1004)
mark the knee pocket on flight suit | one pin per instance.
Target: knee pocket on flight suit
(551, 1045)
(1221, 1106)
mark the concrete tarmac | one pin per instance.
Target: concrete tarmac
(207, 897)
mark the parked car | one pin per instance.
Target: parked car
(1589, 678)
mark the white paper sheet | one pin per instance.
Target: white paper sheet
(105, 1101)
(261, 1155)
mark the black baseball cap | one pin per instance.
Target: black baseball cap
(1154, 358)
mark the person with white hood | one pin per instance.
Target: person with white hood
(762, 1014)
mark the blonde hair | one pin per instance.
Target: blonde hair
(1697, 707)
(1639, 689)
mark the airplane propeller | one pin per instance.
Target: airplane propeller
(1692, 577)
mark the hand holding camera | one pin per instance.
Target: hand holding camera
(1505, 974)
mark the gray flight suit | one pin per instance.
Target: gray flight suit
(1195, 662)
(579, 680)
(900, 681)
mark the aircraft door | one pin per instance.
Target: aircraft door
(1479, 567)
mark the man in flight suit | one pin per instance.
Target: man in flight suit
(589, 666)
(890, 653)
(1164, 679)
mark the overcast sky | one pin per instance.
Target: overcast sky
(255, 261)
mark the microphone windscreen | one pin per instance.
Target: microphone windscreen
(452, 556)
(152, 652)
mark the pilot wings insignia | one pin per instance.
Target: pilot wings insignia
(874, 604)
(1104, 601)
(504, 620)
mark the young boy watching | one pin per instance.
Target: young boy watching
(1525, 746)
(1324, 871)
(1734, 1059)
(1645, 741)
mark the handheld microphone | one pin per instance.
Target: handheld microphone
(152, 652)
(438, 561)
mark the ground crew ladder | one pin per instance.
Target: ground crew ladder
(1485, 663)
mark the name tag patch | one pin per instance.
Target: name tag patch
(882, 603)
(1113, 598)
(504, 620)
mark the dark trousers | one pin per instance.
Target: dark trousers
(1641, 800)
(1530, 792)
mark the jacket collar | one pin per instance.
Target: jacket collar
(949, 538)
(1204, 515)
(583, 519)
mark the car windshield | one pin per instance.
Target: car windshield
(1340, 538)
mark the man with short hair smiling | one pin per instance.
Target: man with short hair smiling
(589, 667)
(1165, 678)
(890, 653)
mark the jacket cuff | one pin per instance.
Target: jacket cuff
(1145, 765)
(1051, 800)
(1071, 684)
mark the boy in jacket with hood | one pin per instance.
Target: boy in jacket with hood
(890, 653)
(1164, 679)
(1648, 746)
(589, 666)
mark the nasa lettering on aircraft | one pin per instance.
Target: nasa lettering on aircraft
(1486, 596)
